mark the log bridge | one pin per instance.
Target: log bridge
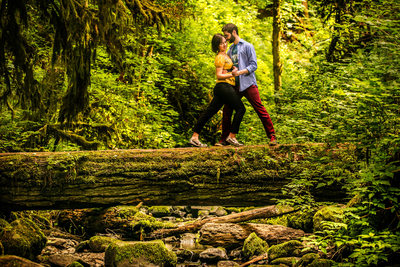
(228, 176)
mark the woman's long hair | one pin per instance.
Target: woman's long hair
(216, 41)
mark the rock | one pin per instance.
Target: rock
(301, 220)
(160, 211)
(203, 213)
(287, 249)
(254, 246)
(22, 237)
(188, 241)
(100, 243)
(321, 263)
(82, 246)
(227, 264)
(236, 253)
(213, 255)
(218, 211)
(152, 252)
(62, 260)
(12, 261)
(327, 214)
(289, 261)
(186, 255)
(307, 259)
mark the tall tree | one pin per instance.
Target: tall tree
(276, 35)
(78, 27)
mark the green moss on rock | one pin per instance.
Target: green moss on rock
(307, 259)
(154, 252)
(254, 246)
(322, 263)
(327, 214)
(75, 264)
(100, 243)
(301, 220)
(287, 249)
(287, 261)
(143, 224)
(160, 211)
(23, 238)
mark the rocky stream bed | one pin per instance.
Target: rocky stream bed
(133, 236)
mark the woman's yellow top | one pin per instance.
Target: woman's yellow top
(226, 63)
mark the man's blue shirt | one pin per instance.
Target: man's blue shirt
(247, 60)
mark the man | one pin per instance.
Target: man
(244, 59)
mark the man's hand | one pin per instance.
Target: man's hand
(235, 72)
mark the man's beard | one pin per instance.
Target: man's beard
(232, 39)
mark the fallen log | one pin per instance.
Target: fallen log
(233, 235)
(265, 212)
(256, 259)
(226, 176)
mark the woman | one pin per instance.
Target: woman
(223, 94)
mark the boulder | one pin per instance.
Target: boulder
(22, 237)
(322, 263)
(254, 246)
(287, 249)
(12, 261)
(328, 214)
(150, 253)
(100, 243)
(213, 255)
(307, 259)
(286, 261)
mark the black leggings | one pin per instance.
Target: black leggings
(223, 94)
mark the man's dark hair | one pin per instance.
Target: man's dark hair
(216, 41)
(229, 28)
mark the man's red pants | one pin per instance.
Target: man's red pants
(253, 96)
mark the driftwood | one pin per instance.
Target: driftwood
(216, 176)
(233, 235)
(265, 212)
(256, 259)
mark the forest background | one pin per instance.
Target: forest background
(79, 75)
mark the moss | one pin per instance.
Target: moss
(154, 252)
(23, 238)
(307, 259)
(160, 211)
(301, 220)
(287, 249)
(125, 211)
(143, 224)
(1, 249)
(327, 214)
(321, 263)
(100, 243)
(289, 261)
(75, 264)
(3, 224)
(254, 246)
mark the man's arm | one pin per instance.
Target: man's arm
(252, 62)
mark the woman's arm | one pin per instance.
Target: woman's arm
(222, 74)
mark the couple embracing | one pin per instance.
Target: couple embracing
(235, 78)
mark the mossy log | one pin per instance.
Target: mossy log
(228, 176)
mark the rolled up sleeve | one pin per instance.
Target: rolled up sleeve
(252, 63)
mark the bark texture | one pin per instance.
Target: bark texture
(223, 234)
(228, 176)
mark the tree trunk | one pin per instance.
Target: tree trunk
(266, 212)
(233, 235)
(226, 176)
(276, 35)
